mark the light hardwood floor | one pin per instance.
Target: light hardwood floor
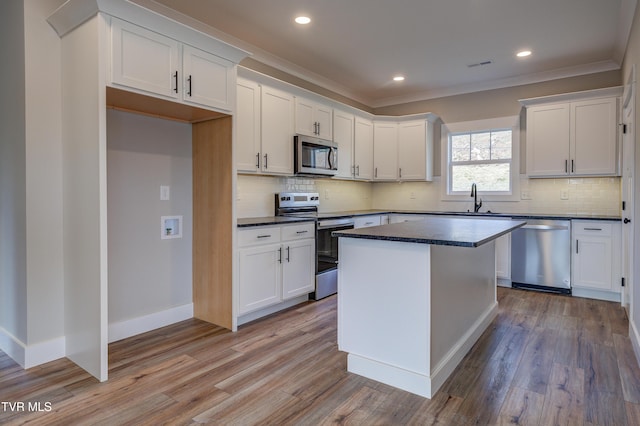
(545, 360)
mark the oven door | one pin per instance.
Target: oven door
(327, 245)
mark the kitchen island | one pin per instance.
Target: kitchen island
(414, 297)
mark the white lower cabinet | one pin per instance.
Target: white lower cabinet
(400, 218)
(275, 263)
(596, 259)
(367, 221)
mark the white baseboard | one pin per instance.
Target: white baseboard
(123, 329)
(12, 346)
(450, 361)
(29, 356)
(422, 384)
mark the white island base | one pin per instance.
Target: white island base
(409, 312)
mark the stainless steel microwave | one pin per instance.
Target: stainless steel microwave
(313, 156)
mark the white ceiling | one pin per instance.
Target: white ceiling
(355, 47)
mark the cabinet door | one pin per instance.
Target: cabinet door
(277, 131)
(594, 137)
(366, 221)
(343, 128)
(548, 140)
(313, 119)
(298, 268)
(363, 149)
(385, 151)
(207, 79)
(144, 60)
(248, 126)
(305, 123)
(259, 281)
(324, 118)
(592, 262)
(412, 150)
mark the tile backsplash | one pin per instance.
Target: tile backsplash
(585, 196)
(255, 195)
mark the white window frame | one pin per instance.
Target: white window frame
(500, 123)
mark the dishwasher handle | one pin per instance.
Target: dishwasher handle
(546, 227)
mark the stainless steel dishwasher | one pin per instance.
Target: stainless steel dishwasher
(541, 256)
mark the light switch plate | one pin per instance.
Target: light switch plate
(165, 193)
(564, 194)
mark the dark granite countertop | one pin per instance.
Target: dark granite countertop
(352, 213)
(270, 220)
(462, 232)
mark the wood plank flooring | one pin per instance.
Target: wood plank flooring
(545, 360)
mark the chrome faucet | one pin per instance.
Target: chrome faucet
(474, 194)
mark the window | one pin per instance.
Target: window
(483, 152)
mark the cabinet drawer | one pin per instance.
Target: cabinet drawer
(593, 228)
(298, 232)
(260, 235)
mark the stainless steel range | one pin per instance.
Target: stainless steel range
(306, 205)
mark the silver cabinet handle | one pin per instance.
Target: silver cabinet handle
(176, 78)
(280, 255)
(302, 232)
(264, 236)
(400, 172)
(572, 168)
(358, 168)
(593, 229)
(288, 255)
(566, 166)
(189, 80)
(376, 173)
(258, 160)
(265, 161)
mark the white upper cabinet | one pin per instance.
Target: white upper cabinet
(148, 62)
(403, 150)
(207, 79)
(573, 137)
(277, 130)
(314, 119)
(248, 126)
(415, 150)
(144, 60)
(594, 137)
(363, 149)
(343, 136)
(385, 150)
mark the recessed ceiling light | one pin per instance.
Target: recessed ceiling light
(523, 53)
(303, 20)
(398, 78)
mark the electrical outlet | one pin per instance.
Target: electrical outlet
(326, 194)
(412, 196)
(525, 195)
(564, 194)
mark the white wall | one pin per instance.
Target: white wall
(13, 294)
(147, 274)
(31, 255)
(44, 174)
